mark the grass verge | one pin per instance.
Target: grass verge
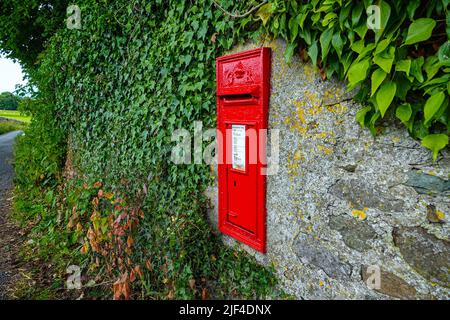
(8, 126)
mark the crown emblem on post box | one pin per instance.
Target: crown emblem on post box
(239, 75)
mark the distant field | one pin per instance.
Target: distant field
(16, 115)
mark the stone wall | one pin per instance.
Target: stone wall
(343, 201)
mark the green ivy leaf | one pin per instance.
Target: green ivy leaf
(412, 7)
(431, 66)
(338, 43)
(313, 52)
(358, 46)
(382, 45)
(404, 112)
(265, 12)
(344, 14)
(420, 30)
(448, 26)
(289, 51)
(432, 105)
(293, 27)
(385, 59)
(372, 122)
(435, 142)
(361, 115)
(377, 78)
(385, 95)
(403, 65)
(325, 41)
(444, 54)
(361, 30)
(358, 72)
(357, 13)
(416, 68)
(329, 17)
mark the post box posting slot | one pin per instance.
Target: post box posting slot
(243, 90)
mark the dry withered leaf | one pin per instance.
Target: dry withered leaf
(97, 185)
(205, 294)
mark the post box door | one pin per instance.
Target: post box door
(241, 181)
(242, 200)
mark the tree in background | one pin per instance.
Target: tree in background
(25, 26)
(8, 101)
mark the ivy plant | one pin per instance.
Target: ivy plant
(400, 62)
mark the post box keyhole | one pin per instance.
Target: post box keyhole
(235, 183)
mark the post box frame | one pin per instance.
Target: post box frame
(243, 89)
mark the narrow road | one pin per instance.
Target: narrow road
(8, 232)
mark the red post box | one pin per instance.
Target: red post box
(243, 88)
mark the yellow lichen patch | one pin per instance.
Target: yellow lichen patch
(337, 108)
(327, 151)
(309, 72)
(440, 215)
(298, 123)
(360, 214)
(298, 156)
(321, 135)
(309, 107)
(314, 102)
(321, 283)
(292, 167)
(396, 139)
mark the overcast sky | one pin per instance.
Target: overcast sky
(10, 75)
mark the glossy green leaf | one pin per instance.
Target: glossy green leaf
(265, 12)
(289, 52)
(377, 78)
(357, 13)
(329, 18)
(382, 45)
(385, 59)
(416, 68)
(435, 142)
(412, 7)
(404, 66)
(373, 120)
(404, 112)
(420, 30)
(361, 115)
(358, 72)
(444, 54)
(338, 43)
(385, 95)
(325, 42)
(313, 52)
(432, 105)
(431, 66)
